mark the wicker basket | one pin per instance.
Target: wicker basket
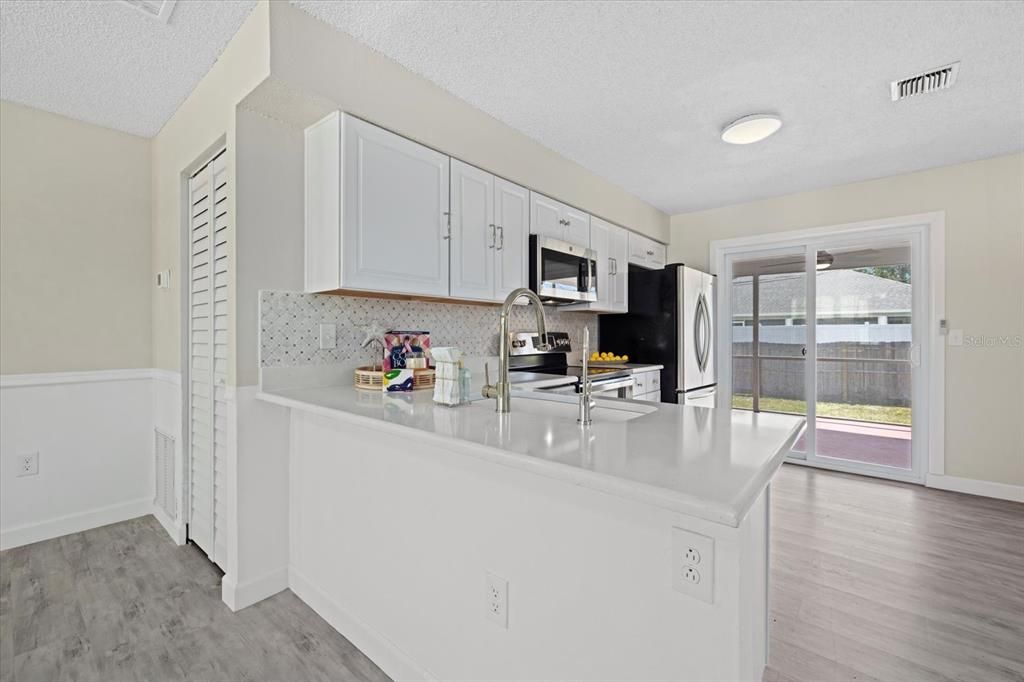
(370, 379)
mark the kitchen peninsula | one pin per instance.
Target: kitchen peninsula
(459, 543)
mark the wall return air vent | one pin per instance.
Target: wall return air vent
(941, 78)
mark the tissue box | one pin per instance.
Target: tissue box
(398, 380)
(397, 343)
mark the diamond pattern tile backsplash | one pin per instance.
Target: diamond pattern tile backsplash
(290, 326)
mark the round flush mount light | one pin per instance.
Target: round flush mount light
(753, 128)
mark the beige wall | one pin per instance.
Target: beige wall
(316, 59)
(984, 206)
(204, 122)
(75, 279)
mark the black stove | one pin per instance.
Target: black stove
(525, 357)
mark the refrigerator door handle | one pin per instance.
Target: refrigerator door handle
(701, 332)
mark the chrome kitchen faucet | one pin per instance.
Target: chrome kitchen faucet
(500, 390)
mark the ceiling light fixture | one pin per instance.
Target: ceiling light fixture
(753, 128)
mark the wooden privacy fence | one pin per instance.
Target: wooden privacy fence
(851, 373)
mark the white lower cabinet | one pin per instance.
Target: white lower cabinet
(376, 210)
(490, 222)
(647, 385)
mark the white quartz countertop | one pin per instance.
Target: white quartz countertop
(703, 462)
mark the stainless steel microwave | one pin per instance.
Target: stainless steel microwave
(561, 272)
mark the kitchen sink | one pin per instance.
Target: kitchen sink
(567, 407)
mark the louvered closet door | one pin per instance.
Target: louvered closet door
(208, 329)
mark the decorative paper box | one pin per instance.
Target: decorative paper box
(397, 343)
(398, 380)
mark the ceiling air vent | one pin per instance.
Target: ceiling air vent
(154, 9)
(936, 79)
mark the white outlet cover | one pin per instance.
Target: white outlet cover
(27, 464)
(693, 564)
(328, 334)
(496, 600)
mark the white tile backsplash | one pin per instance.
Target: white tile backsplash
(290, 326)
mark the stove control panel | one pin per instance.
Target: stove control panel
(526, 343)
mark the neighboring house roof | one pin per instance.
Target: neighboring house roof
(839, 293)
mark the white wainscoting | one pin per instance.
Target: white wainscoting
(166, 416)
(258, 527)
(94, 435)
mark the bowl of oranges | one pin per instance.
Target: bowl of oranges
(606, 358)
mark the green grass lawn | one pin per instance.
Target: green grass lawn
(882, 414)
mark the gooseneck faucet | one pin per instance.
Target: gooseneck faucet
(500, 390)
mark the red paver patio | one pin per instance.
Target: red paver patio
(885, 444)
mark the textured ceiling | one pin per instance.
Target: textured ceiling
(635, 91)
(638, 91)
(106, 62)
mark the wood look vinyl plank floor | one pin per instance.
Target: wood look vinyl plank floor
(870, 580)
(878, 580)
(123, 602)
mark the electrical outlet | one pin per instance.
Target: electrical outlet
(28, 465)
(693, 564)
(496, 600)
(328, 336)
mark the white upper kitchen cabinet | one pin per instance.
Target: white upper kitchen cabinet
(376, 210)
(474, 234)
(611, 244)
(512, 254)
(552, 218)
(618, 268)
(600, 231)
(490, 230)
(647, 252)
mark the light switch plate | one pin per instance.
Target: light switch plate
(693, 564)
(328, 334)
(163, 279)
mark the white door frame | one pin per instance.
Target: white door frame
(928, 229)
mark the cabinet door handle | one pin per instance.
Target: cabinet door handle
(501, 238)
(611, 267)
(448, 220)
(650, 253)
(494, 236)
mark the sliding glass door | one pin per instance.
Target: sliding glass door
(769, 332)
(827, 329)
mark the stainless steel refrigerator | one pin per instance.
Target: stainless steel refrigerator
(671, 322)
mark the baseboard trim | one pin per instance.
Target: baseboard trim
(174, 529)
(972, 486)
(237, 597)
(74, 523)
(388, 657)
